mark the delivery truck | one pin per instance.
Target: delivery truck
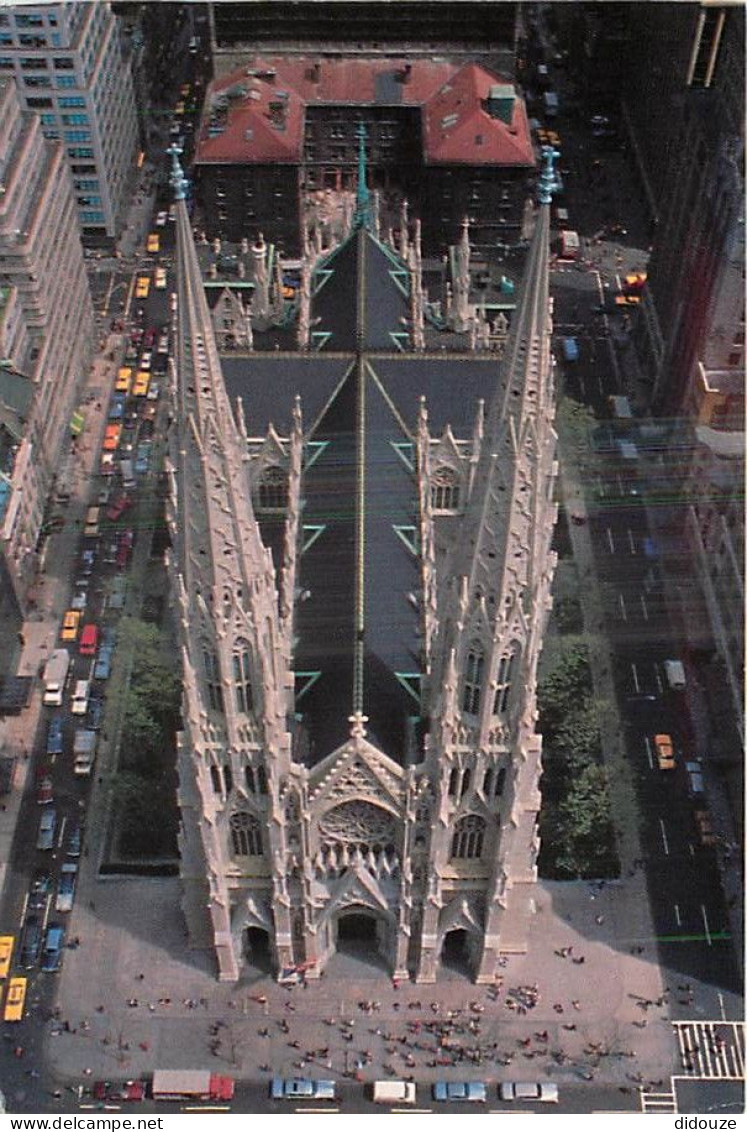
(55, 677)
(84, 751)
(191, 1084)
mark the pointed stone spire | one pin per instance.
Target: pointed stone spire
(261, 297)
(362, 214)
(461, 314)
(404, 234)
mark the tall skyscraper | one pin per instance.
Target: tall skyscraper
(68, 65)
(362, 568)
(48, 328)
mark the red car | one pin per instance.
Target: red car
(122, 1091)
(124, 546)
(44, 795)
(149, 338)
(118, 507)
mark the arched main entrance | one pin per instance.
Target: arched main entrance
(362, 935)
(257, 948)
(456, 955)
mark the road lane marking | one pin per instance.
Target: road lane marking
(623, 612)
(677, 915)
(631, 541)
(610, 541)
(649, 755)
(644, 607)
(634, 670)
(721, 1006)
(63, 823)
(705, 925)
(664, 841)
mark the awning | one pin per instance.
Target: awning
(77, 423)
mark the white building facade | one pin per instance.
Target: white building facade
(68, 65)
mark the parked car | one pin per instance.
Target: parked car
(123, 1090)
(301, 1088)
(79, 600)
(142, 461)
(73, 845)
(95, 713)
(474, 1092)
(89, 640)
(160, 279)
(53, 944)
(87, 560)
(66, 888)
(47, 830)
(545, 1091)
(704, 828)
(111, 437)
(103, 666)
(153, 391)
(118, 507)
(54, 736)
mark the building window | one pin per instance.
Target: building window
(249, 779)
(39, 103)
(246, 835)
(66, 80)
(453, 782)
(77, 135)
(242, 675)
(473, 679)
(487, 782)
(63, 64)
(33, 64)
(6, 63)
(500, 782)
(445, 489)
(78, 151)
(228, 778)
(37, 81)
(469, 835)
(71, 101)
(503, 683)
(466, 780)
(273, 489)
(212, 680)
(262, 780)
(215, 779)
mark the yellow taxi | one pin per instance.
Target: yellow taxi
(70, 625)
(664, 751)
(124, 377)
(142, 287)
(636, 281)
(627, 300)
(153, 243)
(142, 381)
(179, 109)
(160, 279)
(6, 951)
(185, 90)
(16, 999)
(111, 437)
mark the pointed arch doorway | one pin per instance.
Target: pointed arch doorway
(362, 935)
(257, 949)
(456, 953)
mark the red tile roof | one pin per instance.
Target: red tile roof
(262, 118)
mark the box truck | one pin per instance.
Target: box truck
(191, 1084)
(84, 751)
(55, 676)
(394, 1092)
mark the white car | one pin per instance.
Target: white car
(160, 279)
(161, 219)
(153, 391)
(145, 361)
(544, 1091)
(163, 344)
(79, 704)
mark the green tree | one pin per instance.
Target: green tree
(565, 686)
(584, 826)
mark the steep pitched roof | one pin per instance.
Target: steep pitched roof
(256, 114)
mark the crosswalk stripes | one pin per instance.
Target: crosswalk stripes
(661, 1103)
(711, 1049)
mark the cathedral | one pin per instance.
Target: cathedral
(361, 521)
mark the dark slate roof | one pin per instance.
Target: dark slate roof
(360, 297)
(268, 384)
(451, 385)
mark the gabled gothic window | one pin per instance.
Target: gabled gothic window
(503, 683)
(242, 678)
(500, 782)
(272, 494)
(246, 835)
(487, 782)
(212, 680)
(262, 780)
(228, 778)
(466, 779)
(444, 489)
(249, 777)
(469, 835)
(215, 779)
(453, 782)
(473, 674)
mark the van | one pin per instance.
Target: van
(394, 1092)
(79, 704)
(620, 409)
(675, 673)
(91, 528)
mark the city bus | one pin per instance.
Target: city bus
(16, 1000)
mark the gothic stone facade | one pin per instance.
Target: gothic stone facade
(362, 569)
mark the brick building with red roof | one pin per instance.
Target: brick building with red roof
(453, 138)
